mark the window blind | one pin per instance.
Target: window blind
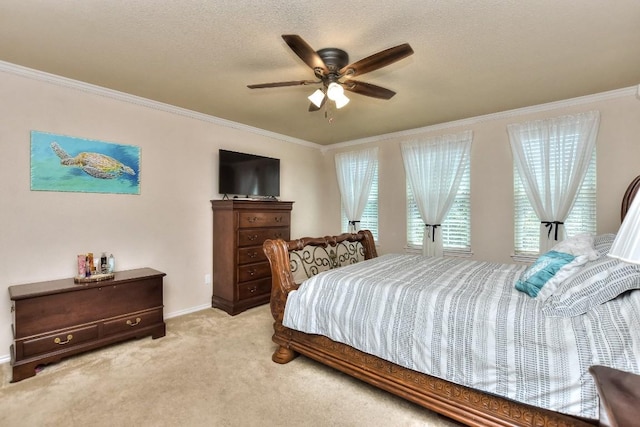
(456, 228)
(369, 219)
(581, 219)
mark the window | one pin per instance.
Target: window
(581, 219)
(456, 228)
(369, 219)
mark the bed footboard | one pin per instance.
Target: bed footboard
(294, 261)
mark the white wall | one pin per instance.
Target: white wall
(167, 227)
(618, 162)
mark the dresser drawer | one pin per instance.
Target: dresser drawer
(254, 271)
(258, 236)
(251, 255)
(255, 288)
(53, 342)
(263, 219)
(133, 321)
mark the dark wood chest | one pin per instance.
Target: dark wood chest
(59, 318)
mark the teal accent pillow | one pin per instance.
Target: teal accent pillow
(534, 278)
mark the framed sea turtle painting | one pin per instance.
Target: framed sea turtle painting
(66, 163)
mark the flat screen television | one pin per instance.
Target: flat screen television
(248, 174)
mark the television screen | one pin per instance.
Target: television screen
(248, 174)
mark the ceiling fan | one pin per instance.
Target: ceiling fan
(332, 68)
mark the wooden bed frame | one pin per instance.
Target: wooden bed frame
(463, 404)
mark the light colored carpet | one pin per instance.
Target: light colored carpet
(210, 369)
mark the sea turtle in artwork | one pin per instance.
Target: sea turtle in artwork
(95, 164)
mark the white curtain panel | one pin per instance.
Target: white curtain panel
(434, 168)
(552, 157)
(355, 171)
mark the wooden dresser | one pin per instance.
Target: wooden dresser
(241, 272)
(59, 318)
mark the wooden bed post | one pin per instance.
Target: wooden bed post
(282, 283)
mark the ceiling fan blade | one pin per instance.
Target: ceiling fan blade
(368, 89)
(377, 60)
(282, 84)
(305, 52)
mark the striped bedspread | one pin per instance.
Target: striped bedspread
(464, 321)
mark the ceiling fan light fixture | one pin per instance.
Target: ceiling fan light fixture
(334, 91)
(317, 97)
(331, 64)
(341, 101)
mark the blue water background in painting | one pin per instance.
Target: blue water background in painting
(48, 174)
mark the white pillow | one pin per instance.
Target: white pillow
(578, 245)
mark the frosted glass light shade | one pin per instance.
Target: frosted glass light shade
(626, 246)
(341, 101)
(317, 97)
(334, 91)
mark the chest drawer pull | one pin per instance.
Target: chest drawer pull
(60, 342)
(252, 237)
(253, 289)
(252, 254)
(252, 220)
(132, 324)
(278, 219)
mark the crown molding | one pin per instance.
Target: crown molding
(30, 73)
(603, 96)
(42, 76)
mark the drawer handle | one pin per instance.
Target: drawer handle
(130, 323)
(278, 219)
(252, 272)
(277, 235)
(252, 220)
(253, 237)
(253, 289)
(60, 342)
(253, 254)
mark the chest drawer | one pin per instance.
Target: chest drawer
(254, 271)
(132, 321)
(263, 219)
(53, 342)
(252, 289)
(251, 255)
(258, 236)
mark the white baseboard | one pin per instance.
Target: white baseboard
(6, 358)
(187, 311)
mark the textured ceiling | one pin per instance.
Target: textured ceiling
(471, 57)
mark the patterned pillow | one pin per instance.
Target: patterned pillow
(602, 243)
(551, 268)
(597, 282)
